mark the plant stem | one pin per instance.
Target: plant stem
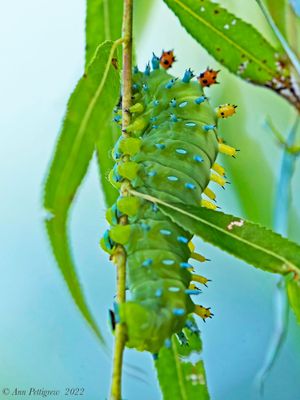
(120, 255)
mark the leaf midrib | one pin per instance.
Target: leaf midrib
(83, 124)
(224, 37)
(179, 372)
(292, 266)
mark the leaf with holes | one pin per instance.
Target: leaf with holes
(179, 378)
(250, 242)
(231, 41)
(88, 110)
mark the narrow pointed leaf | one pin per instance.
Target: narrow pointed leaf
(179, 378)
(103, 22)
(278, 10)
(88, 109)
(250, 242)
(230, 40)
(293, 288)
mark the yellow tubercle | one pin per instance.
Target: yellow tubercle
(192, 286)
(225, 110)
(201, 279)
(218, 179)
(203, 312)
(191, 246)
(209, 193)
(228, 150)
(198, 257)
(218, 169)
(208, 204)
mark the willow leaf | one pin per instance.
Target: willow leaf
(293, 288)
(103, 22)
(105, 161)
(231, 41)
(250, 242)
(179, 378)
(88, 108)
(278, 10)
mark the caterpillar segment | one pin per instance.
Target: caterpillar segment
(169, 152)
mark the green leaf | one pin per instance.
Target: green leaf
(103, 22)
(179, 378)
(231, 41)
(293, 288)
(250, 242)
(88, 109)
(105, 161)
(278, 11)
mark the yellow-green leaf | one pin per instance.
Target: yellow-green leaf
(230, 40)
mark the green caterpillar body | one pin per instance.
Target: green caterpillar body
(169, 154)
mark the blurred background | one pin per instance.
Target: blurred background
(44, 342)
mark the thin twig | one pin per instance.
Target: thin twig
(120, 256)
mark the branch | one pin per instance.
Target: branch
(119, 257)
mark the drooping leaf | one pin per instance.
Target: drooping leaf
(103, 22)
(231, 41)
(250, 242)
(293, 288)
(88, 109)
(105, 161)
(180, 378)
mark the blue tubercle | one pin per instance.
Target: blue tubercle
(170, 84)
(153, 119)
(188, 75)
(135, 86)
(198, 158)
(182, 339)
(154, 126)
(145, 227)
(152, 173)
(192, 292)
(182, 239)
(145, 87)
(147, 70)
(117, 118)
(191, 325)
(200, 99)
(154, 207)
(135, 69)
(173, 103)
(207, 128)
(155, 103)
(147, 262)
(160, 146)
(178, 312)
(190, 186)
(173, 118)
(155, 61)
(158, 292)
(190, 124)
(168, 343)
(116, 312)
(185, 265)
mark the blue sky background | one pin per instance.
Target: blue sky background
(44, 342)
